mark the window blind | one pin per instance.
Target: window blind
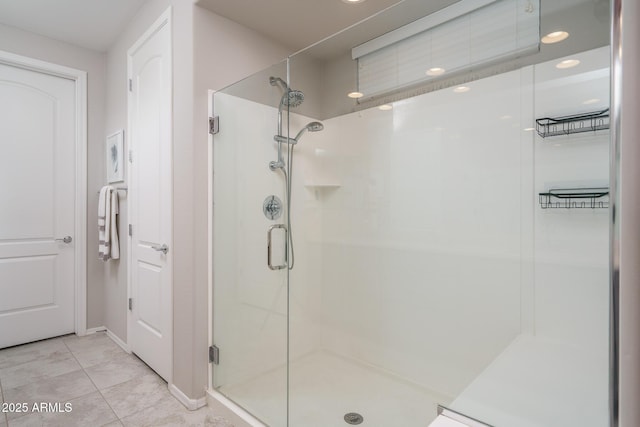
(492, 32)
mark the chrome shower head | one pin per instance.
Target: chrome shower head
(314, 127)
(295, 98)
(290, 97)
(311, 127)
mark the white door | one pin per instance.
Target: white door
(37, 205)
(150, 198)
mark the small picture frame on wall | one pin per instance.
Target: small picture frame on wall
(115, 157)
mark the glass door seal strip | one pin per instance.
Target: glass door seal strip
(457, 416)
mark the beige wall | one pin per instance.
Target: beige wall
(209, 52)
(34, 46)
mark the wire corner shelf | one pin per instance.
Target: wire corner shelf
(575, 198)
(577, 123)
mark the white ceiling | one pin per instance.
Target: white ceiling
(93, 24)
(295, 24)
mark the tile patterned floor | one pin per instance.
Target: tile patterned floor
(104, 385)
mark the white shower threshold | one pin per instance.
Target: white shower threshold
(537, 382)
(325, 387)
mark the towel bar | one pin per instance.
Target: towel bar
(125, 189)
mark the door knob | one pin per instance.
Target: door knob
(164, 248)
(65, 239)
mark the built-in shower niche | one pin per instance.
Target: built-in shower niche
(320, 172)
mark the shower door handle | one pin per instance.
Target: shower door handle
(286, 248)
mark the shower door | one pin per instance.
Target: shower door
(250, 283)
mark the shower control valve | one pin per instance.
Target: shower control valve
(272, 207)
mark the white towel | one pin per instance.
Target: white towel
(108, 246)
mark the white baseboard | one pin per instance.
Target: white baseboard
(190, 404)
(231, 411)
(118, 341)
(94, 330)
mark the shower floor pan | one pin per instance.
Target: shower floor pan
(326, 387)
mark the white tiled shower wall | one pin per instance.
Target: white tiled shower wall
(562, 352)
(422, 240)
(415, 231)
(571, 246)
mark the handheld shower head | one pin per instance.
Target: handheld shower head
(314, 127)
(311, 127)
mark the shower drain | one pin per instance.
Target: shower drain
(353, 418)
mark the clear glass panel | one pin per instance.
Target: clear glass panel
(421, 236)
(424, 269)
(250, 299)
(427, 273)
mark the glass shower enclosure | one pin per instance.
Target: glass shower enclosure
(413, 225)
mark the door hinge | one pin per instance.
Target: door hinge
(130, 230)
(130, 156)
(214, 355)
(130, 303)
(130, 85)
(214, 125)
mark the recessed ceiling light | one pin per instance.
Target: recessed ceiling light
(355, 95)
(591, 101)
(462, 89)
(528, 129)
(554, 37)
(352, 1)
(505, 117)
(435, 71)
(567, 63)
(385, 107)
